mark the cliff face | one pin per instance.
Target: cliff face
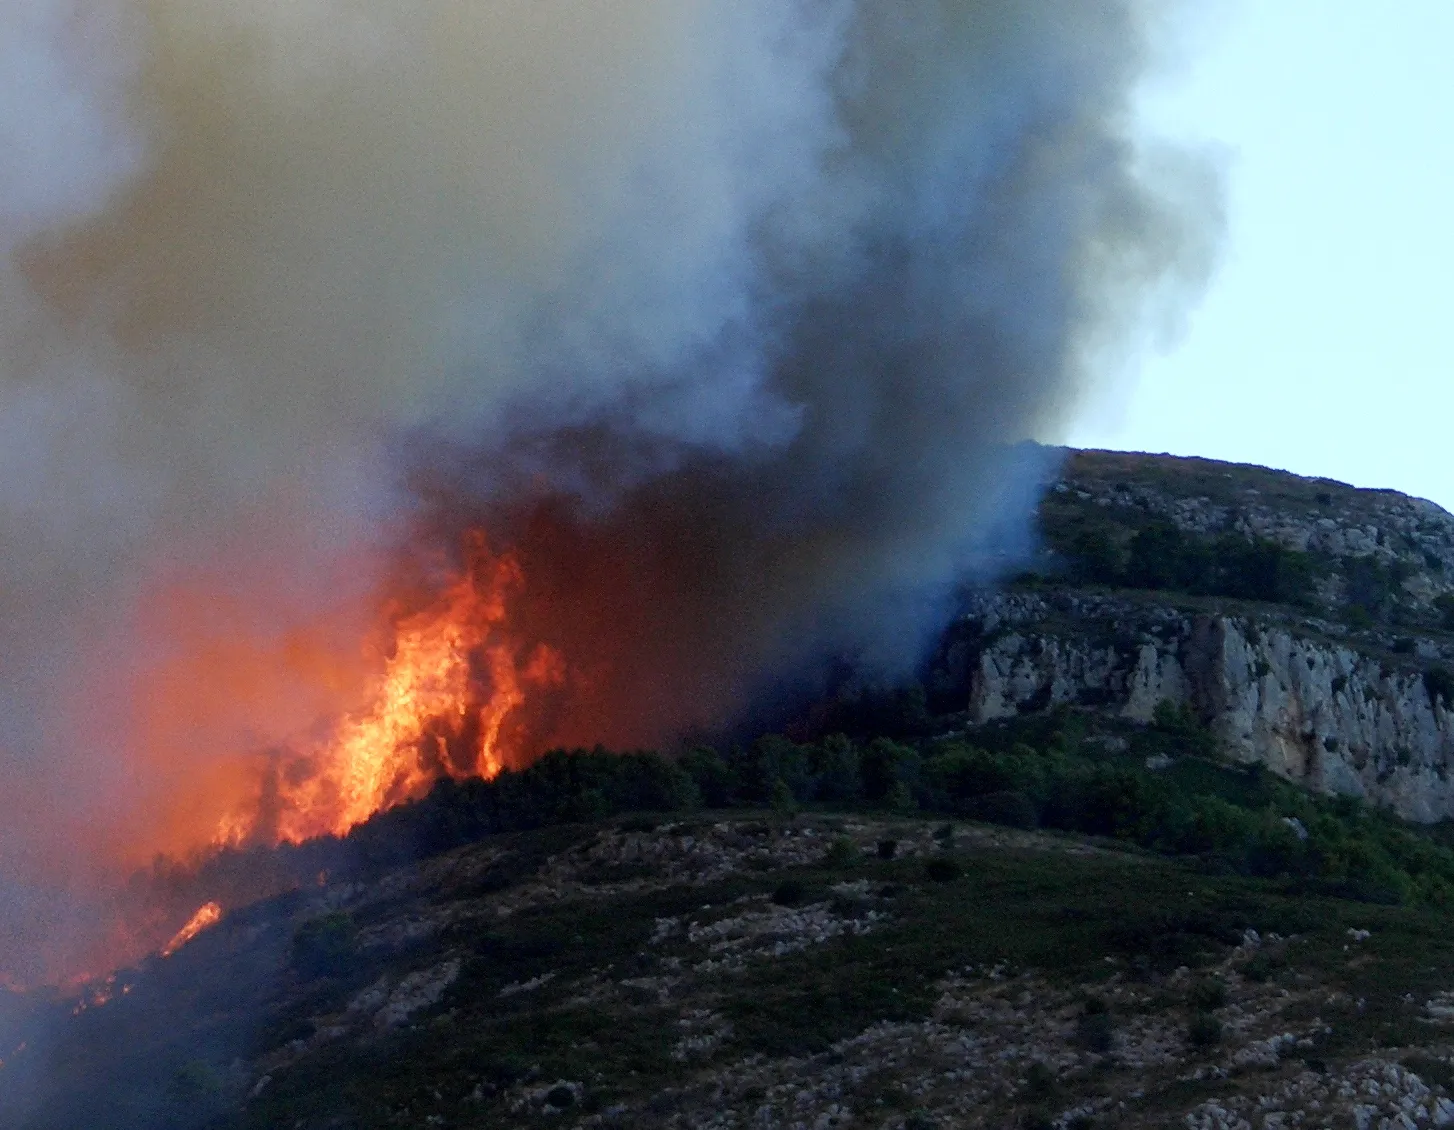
(1312, 709)
(1347, 691)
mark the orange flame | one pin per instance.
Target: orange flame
(436, 709)
(207, 914)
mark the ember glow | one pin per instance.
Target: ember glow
(207, 915)
(439, 707)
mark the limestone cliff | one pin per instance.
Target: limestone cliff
(1351, 700)
(1310, 707)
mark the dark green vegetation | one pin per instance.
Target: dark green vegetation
(1159, 556)
(1048, 772)
(1184, 526)
(1052, 771)
(1131, 546)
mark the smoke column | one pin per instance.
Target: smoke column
(724, 312)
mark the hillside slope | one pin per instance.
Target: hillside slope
(761, 970)
(1054, 887)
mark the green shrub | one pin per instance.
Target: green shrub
(1162, 557)
(1207, 995)
(901, 799)
(1257, 569)
(715, 781)
(1439, 683)
(1012, 809)
(1040, 1082)
(324, 947)
(1234, 818)
(1108, 800)
(1357, 617)
(960, 773)
(1432, 1071)
(842, 852)
(1096, 1031)
(942, 869)
(770, 759)
(879, 767)
(1372, 587)
(833, 764)
(1095, 558)
(1204, 1031)
(789, 892)
(1261, 967)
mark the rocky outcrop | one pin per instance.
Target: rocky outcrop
(1413, 538)
(1288, 693)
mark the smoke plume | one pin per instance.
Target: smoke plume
(725, 313)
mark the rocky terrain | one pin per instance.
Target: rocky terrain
(1159, 842)
(1343, 685)
(762, 970)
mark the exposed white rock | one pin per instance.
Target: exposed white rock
(417, 991)
(1311, 709)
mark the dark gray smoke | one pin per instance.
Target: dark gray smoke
(726, 312)
(979, 233)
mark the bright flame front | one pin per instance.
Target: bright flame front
(208, 914)
(437, 709)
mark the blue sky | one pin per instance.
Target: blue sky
(1325, 344)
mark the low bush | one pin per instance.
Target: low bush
(1040, 1082)
(324, 947)
(1204, 1031)
(1439, 683)
(842, 852)
(1208, 995)
(1261, 967)
(1161, 556)
(1012, 809)
(1096, 1031)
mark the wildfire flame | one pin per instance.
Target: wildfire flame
(436, 709)
(207, 915)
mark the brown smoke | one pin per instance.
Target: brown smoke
(725, 311)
